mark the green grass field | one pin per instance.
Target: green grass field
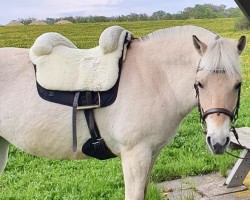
(28, 177)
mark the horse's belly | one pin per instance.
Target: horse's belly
(39, 127)
(44, 135)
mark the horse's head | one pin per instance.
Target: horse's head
(218, 81)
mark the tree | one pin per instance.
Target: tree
(242, 23)
(159, 15)
(27, 21)
(204, 11)
(71, 19)
(197, 12)
(233, 12)
(133, 17)
(50, 20)
(143, 17)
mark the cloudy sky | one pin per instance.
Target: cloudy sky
(15, 9)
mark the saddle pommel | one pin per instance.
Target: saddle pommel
(109, 38)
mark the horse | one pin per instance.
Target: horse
(156, 92)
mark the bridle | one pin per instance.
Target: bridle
(233, 115)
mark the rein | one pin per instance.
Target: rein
(232, 115)
(233, 130)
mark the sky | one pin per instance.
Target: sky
(41, 9)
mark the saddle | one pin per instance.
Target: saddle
(84, 79)
(62, 66)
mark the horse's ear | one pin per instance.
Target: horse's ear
(200, 46)
(241, 44)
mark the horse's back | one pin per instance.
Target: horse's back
(10, 53)
(14, 66)
(12, 60)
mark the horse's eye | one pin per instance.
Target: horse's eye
(200, 85)
(238, 85)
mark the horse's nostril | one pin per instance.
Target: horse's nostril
(209, 140)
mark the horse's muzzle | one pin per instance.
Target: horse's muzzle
(218, 148)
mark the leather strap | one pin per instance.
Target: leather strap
(218, 111)
(89, 114)
(74, 127)
(100, 149)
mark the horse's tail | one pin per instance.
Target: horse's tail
(45, 43)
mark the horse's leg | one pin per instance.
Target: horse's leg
(4, 147)
(137, 164)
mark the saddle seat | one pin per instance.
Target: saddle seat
(61, 66)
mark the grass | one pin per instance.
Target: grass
(29, 177)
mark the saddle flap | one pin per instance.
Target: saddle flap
(62, 66)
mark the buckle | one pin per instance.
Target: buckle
(91, 106)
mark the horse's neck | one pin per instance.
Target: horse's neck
(168, 71)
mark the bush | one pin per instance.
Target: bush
(242, 23)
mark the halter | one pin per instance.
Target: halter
(233, 115)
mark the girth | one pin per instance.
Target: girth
(95, 146)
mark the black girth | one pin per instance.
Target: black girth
(95, 146)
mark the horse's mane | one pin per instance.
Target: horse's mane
(220, 58)
(220, 55)
(180, 32)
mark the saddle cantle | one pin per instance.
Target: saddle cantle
(80, 78)
(62, 66)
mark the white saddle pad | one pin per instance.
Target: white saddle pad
(61, 66)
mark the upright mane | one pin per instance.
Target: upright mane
(180, 32)
(221, 55)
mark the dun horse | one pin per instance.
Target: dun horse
(156, 92)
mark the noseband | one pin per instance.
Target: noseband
(233, 115)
